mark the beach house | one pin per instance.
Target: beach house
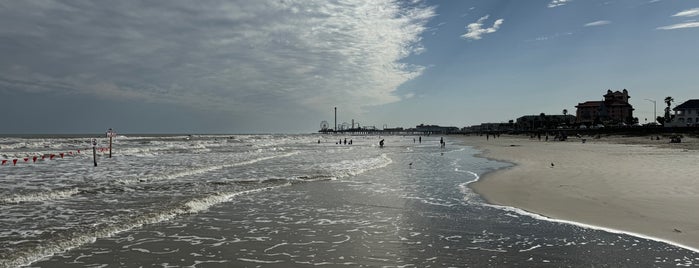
(686, 114)
(615, 108)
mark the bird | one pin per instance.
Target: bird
(552, 164)
(410, 165)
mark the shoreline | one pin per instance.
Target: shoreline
(628, 185)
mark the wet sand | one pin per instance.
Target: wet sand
(631, 184)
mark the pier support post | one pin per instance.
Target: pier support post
(94, 151)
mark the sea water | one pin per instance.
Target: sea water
(280, 201)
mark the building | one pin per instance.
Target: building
(615, 108)
(434, 129)
(686, 114)
(532, 122)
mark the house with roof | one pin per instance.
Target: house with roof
(615, 108)
(686, 114)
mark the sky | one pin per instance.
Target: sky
(281, 66)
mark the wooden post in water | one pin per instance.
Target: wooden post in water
(94, 150)
(110, 133)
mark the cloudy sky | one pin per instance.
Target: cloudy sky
(282, 65)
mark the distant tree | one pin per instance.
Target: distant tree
(565, 117)
(661, 120)
(668, 101)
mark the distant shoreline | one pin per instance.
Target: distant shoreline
(632, 184)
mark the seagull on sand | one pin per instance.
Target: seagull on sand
(410, 165)
(552, 164)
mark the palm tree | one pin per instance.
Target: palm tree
(565, 117)
(668, 101)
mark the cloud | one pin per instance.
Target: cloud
(688, 13)
(597, 23)
(244, 56)
(550, 37)
(679, 26)
(557, 3)
(476, 30)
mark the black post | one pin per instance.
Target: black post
(94, 151)
(110, 133)
(335, 119)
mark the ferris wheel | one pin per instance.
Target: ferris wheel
(324, 125)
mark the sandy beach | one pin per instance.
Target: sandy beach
(631, 184)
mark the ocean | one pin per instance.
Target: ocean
(280, 201)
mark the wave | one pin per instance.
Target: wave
(201, 170)
(353, 168)
(76, 237)
(40, 196)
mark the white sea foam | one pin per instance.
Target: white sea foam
(259, 261)
(49, 248)
(357, 167)
(589, 226)
(40, 196)
(202, 170)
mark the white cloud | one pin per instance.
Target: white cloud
(557, 3)
(688, 13)
(680, 26)
(597, 23)
(550, 37)
(476, 30)
(243, 56)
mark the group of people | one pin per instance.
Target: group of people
(442, 143)
(495, 135)
(341, 142)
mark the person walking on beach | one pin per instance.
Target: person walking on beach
(381, 144)
(420, 139)
(345, 140)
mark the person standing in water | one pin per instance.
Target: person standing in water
(381, 144)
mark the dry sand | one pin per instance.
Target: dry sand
(630, 184)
